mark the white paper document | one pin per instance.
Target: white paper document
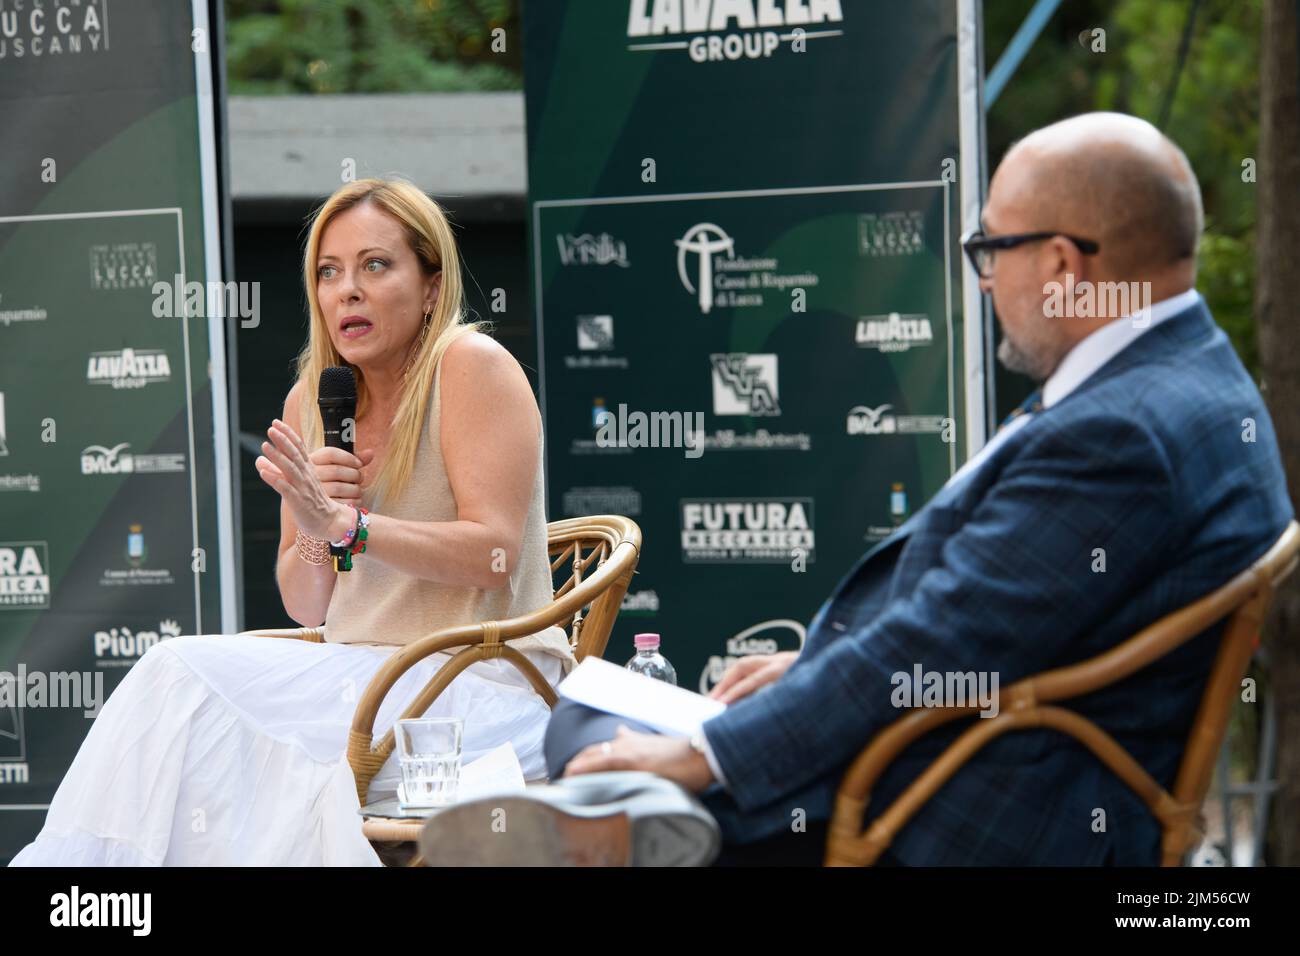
(497, 771)
(617, 690)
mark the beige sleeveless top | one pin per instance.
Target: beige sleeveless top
(378, 605)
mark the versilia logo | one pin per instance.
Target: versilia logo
(735, 28)
(589, 250)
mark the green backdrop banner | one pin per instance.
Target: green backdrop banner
(114, 481)
(744, 220)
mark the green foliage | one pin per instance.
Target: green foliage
(375, 46)
(1214, 115)
(371, 46)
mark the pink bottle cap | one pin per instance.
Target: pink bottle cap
(646, 642)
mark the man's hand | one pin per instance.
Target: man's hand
(671, 757)
(750, 673)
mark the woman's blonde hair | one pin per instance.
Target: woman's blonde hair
(430, 237)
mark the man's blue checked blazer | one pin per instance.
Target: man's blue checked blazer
(1163, 463)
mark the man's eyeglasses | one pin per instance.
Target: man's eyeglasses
(981, 249)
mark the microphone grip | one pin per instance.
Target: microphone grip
(336, 417)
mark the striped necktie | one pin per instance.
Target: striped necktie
(1033, 403)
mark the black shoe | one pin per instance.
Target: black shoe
(620, 818)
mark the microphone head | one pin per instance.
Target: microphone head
(338, 384)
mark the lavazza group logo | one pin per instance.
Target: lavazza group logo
(710, 270)
(128, 368)
(895, 332)
(728, 29)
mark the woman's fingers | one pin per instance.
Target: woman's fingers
(341, 491)
(276, 457)
(336, 474)
(295, 465)
(288, 440)
(272, 476)
(264, 466)
(327, 455)
(310, 479)
(294, 437)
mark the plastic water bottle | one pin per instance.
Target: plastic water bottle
(649, 661)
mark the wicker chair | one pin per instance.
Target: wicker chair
(1243, 602)
(598, 556)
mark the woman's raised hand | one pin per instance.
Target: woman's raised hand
(308, 482)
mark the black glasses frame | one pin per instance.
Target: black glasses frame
(975, 242)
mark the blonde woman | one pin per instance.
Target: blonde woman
(230, 749)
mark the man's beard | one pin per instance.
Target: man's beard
(1017, 359)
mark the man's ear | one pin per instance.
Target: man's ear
(1066, 259)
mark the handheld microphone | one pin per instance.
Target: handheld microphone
(337, 398)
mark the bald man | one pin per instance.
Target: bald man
(1142, 475)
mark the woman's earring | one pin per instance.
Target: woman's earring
(424, 333)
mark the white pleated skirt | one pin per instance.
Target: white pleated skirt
(230, 750)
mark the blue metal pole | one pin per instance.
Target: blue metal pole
(1015, 52)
